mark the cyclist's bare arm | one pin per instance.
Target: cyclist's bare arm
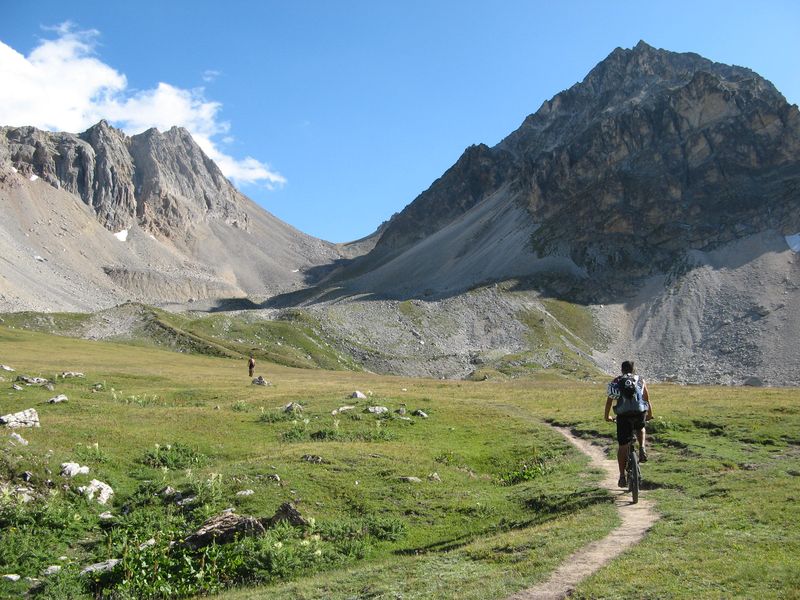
(646, 396)
(609, 401)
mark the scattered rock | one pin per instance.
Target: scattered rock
(404, 418)
(18, 439)
(359, 395)
(754, 382)
(51, 570)
(11, 577)
(25, 418)
(341, 409)
(58, 399)
(70, 374)
(222, 529)
(102, 490)
(287, 512)
(71, 469)
(293, 408)
(261, 381)
(17, 387)
(411, 479)
(167, 492)
(377, 410)
(401, 411)
(188, 501)
(274, 477)
(434, 477)
(101, 567)
(32, 380)
(98, 387)
(27, 476)
(313, 458)
(6, 368)
(245, 493)
(105, 516)
(148, 544)
(420, 413)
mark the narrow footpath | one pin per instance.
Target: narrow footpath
(636, 520)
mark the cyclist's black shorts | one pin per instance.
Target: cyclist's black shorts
(627, 425)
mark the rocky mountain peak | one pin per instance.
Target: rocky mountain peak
(163, 182)
(654, 153)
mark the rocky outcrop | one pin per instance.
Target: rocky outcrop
(25, 418)
(160, 181)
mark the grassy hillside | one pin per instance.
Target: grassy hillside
(509, 499)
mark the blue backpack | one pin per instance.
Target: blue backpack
(631, 395)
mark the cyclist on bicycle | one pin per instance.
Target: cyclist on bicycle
(632, 409)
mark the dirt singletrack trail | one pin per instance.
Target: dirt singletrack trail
(636, 520)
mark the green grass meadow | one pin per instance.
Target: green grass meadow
(502, 498)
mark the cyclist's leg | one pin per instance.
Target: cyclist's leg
(641, 436)
(624, 437)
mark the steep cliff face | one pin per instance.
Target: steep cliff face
(160, 181)
(653, 154)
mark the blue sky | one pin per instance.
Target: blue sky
(334, 115)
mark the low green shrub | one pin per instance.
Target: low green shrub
(173, 456)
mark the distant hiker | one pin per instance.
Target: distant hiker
(251, 365)
(632, 408)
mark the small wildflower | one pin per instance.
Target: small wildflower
(278, 545)
(305, 543)
(315, 537)
(318, 553)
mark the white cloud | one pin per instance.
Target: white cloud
(210, 75)
(62, 86)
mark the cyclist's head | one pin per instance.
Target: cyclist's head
(628, 367)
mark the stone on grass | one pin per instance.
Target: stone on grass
(11, 577)
(287, 512)
(274, 477)
(420, 413)
(58, 399)
(401, 411)
(377, 410)
(245, 493)
(25, 418)
(293, 408)
(71, 469)
(6, 368)
(341, 409)
(359, 395)
(51, 570)
(18, 439)
(70, 374)
(261, 381)
(754, 382)
(102, 491)
(17, 387)
(222, 529)
(148, 544)
(105, 516)
(32, 380)
(434, 477)
(411, 479)
(101, 567)
(313, 458)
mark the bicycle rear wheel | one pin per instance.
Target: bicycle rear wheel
(634, 475)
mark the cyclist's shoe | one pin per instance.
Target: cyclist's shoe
(623, 481)
(642, 456)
